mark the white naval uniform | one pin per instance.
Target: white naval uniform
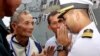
(86, 46)
(20, 51)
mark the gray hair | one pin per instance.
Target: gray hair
(16, 15)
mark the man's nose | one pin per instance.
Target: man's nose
(58, 25)
(31, 26)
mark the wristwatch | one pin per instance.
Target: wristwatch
(60, 48)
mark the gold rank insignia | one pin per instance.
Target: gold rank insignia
(66, 8)
(87, 33)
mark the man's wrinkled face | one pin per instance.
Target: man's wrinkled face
(25, 25)
(55, 23)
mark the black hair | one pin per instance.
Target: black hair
(51, 14)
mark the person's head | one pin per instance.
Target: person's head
(76, 17)
(22, 23)
(53, 21)
(7, 7)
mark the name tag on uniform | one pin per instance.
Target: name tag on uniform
(88, 33)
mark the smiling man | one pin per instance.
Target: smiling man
(20, 42)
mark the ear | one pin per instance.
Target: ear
(77, 16)
(13, 25)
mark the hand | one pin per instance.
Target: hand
(62, 36)
(46, 52)
(33, 54)
(50, 51)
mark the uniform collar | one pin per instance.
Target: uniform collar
(89, 26)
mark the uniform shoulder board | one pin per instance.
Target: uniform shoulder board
(87, 33)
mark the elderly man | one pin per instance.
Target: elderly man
(7, 7)
(22, 45)
(77, 18)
